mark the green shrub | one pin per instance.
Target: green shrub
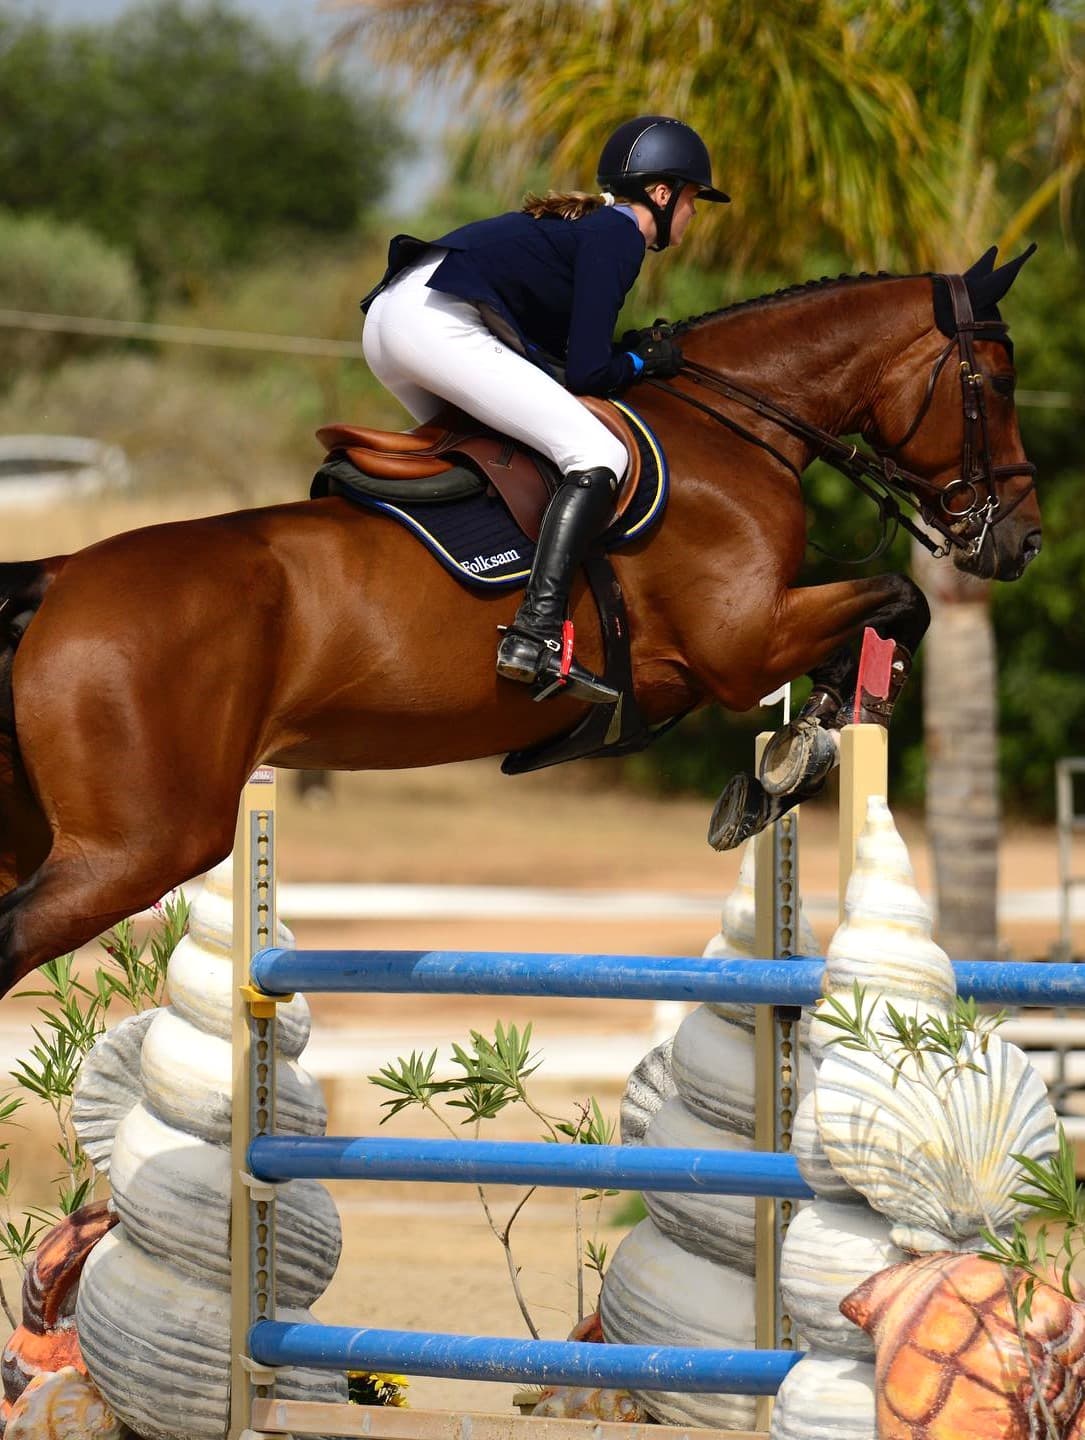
(191, 134)
(50, 267)
(182, 429)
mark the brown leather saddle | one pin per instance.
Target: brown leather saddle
(523, 478)
(455, 455)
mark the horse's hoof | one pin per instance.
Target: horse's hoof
(797, 757)
(744, 809)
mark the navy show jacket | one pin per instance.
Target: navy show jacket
(548, 287)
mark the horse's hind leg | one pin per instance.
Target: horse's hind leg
(61, 906)
(24, 834)
(127, 823)
(86, 886)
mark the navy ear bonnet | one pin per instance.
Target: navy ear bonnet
(986, 287)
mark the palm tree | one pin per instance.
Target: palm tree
(1002, 84)
(818, 141)
(902, 133)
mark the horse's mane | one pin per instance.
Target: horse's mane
(788, 292)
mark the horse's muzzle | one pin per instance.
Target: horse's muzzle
(1004, 554)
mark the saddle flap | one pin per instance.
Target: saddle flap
(523, 479)
(462, 521)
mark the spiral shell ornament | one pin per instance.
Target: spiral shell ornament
(63, 1405)
(152, 1109)
(952, 1361)
(46, 1341)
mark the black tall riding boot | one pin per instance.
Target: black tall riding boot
(530, 650)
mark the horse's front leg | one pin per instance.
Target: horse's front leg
(803, 752)
(818, 632)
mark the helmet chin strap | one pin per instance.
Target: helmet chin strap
(663, 215)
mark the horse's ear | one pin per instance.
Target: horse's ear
(987, 290)
(984, 265)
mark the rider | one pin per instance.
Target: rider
(477, 317)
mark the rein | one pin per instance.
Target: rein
(877, 474)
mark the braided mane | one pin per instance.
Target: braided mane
(804, 287)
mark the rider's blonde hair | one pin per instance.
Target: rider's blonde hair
(565, 204)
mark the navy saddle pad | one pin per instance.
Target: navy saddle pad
(476, 538)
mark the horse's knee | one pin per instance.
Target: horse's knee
(906, 616)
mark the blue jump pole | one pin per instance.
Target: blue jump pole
(624, 977)
(545, 1362)
(466, 972)
(506, 1162)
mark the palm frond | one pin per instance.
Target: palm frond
(887, 131)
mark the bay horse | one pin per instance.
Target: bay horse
(143, 678)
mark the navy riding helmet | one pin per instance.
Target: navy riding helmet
(652, 148)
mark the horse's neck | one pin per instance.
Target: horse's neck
(820, 353)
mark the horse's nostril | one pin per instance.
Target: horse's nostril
(1030, 548)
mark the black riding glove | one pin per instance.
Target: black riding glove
(660, 359)
(659, 355)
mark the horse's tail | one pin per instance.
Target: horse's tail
(23, 587)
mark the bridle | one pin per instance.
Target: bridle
(879, 475)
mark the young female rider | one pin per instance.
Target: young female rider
(483, 316)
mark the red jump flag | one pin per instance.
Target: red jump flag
(875, 668)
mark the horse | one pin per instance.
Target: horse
(144, 678)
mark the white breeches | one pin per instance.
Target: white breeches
(427, 348)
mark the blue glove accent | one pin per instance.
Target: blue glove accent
(638, 363)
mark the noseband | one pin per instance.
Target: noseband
(879, 475)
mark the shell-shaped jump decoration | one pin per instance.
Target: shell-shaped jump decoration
(914, 1157)
(46, 1342)
(685, 1274)
(933, 1150)
(952, 1363)
(153, 1109)
(650, 1084)
(884, 943)
(64, 1405)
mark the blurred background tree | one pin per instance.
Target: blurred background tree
(184, 163)
(907, 134)
(188, 134)
(63, 269)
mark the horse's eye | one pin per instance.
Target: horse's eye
(1003, 384)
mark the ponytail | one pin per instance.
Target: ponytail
(564, 205)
